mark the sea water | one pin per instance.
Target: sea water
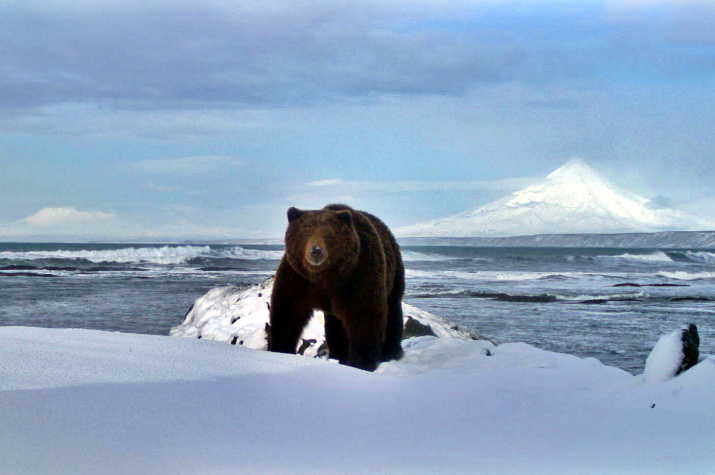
(611, 304)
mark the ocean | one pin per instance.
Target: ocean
(611, 304)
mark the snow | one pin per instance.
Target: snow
(82, 401)
(573, 199)
(665, 359)
(673, 354)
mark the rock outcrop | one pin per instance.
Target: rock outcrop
(239, 316)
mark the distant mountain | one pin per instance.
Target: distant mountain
(574, 199)
(663, 240)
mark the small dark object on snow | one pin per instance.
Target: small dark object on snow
(691, 347)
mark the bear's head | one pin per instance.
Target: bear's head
(321, 242)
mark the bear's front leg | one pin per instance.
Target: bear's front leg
(366, 336)
(289, 312)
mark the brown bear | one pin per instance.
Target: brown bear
(346, 263)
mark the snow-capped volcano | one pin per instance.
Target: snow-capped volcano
(573, 199)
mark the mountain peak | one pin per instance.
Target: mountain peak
(573, 199)
(575, 169)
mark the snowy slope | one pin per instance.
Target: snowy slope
(573, 199)
(82, 401)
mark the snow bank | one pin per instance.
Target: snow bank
(81, 401)
(239, 316)
(674, 353)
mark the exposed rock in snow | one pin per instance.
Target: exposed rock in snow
(239, 316)
(573, 199)
(674, 353)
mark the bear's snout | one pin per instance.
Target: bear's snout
(316, 255)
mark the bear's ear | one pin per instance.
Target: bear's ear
(294, 213)
(345, 216)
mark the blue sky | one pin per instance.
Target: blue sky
(143, 119)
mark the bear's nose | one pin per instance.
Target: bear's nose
(317, 254)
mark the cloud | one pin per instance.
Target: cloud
(222, 54)
(329, 182)
(397, 187)
(65, 216)
(188, 165)
(226, 56)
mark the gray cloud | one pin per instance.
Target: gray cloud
(223, 54)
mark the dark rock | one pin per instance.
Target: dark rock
(691, 347)
(414, 328)
(631, 284)
(526, 298)
(690, 299)
(18, 267)
(27, 274)
(189, 310)
(322, 351)
(305, 345)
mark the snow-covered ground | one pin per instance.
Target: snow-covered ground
(84, 401)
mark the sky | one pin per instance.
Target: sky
(207, 120)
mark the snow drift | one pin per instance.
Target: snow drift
(83, 401)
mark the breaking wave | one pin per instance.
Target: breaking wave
(152, 255)
(682, 275)
(249, 254)
(655, 257)
(165, 255)
(414, 256)
(701, 256)
(493, 275)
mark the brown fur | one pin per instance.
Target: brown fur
(346, 263)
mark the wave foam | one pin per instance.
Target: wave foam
(682, 275)
(492, 275)
(702, 256)
(414, 256)
(152, 255)
(250, 254)
(658, 256)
